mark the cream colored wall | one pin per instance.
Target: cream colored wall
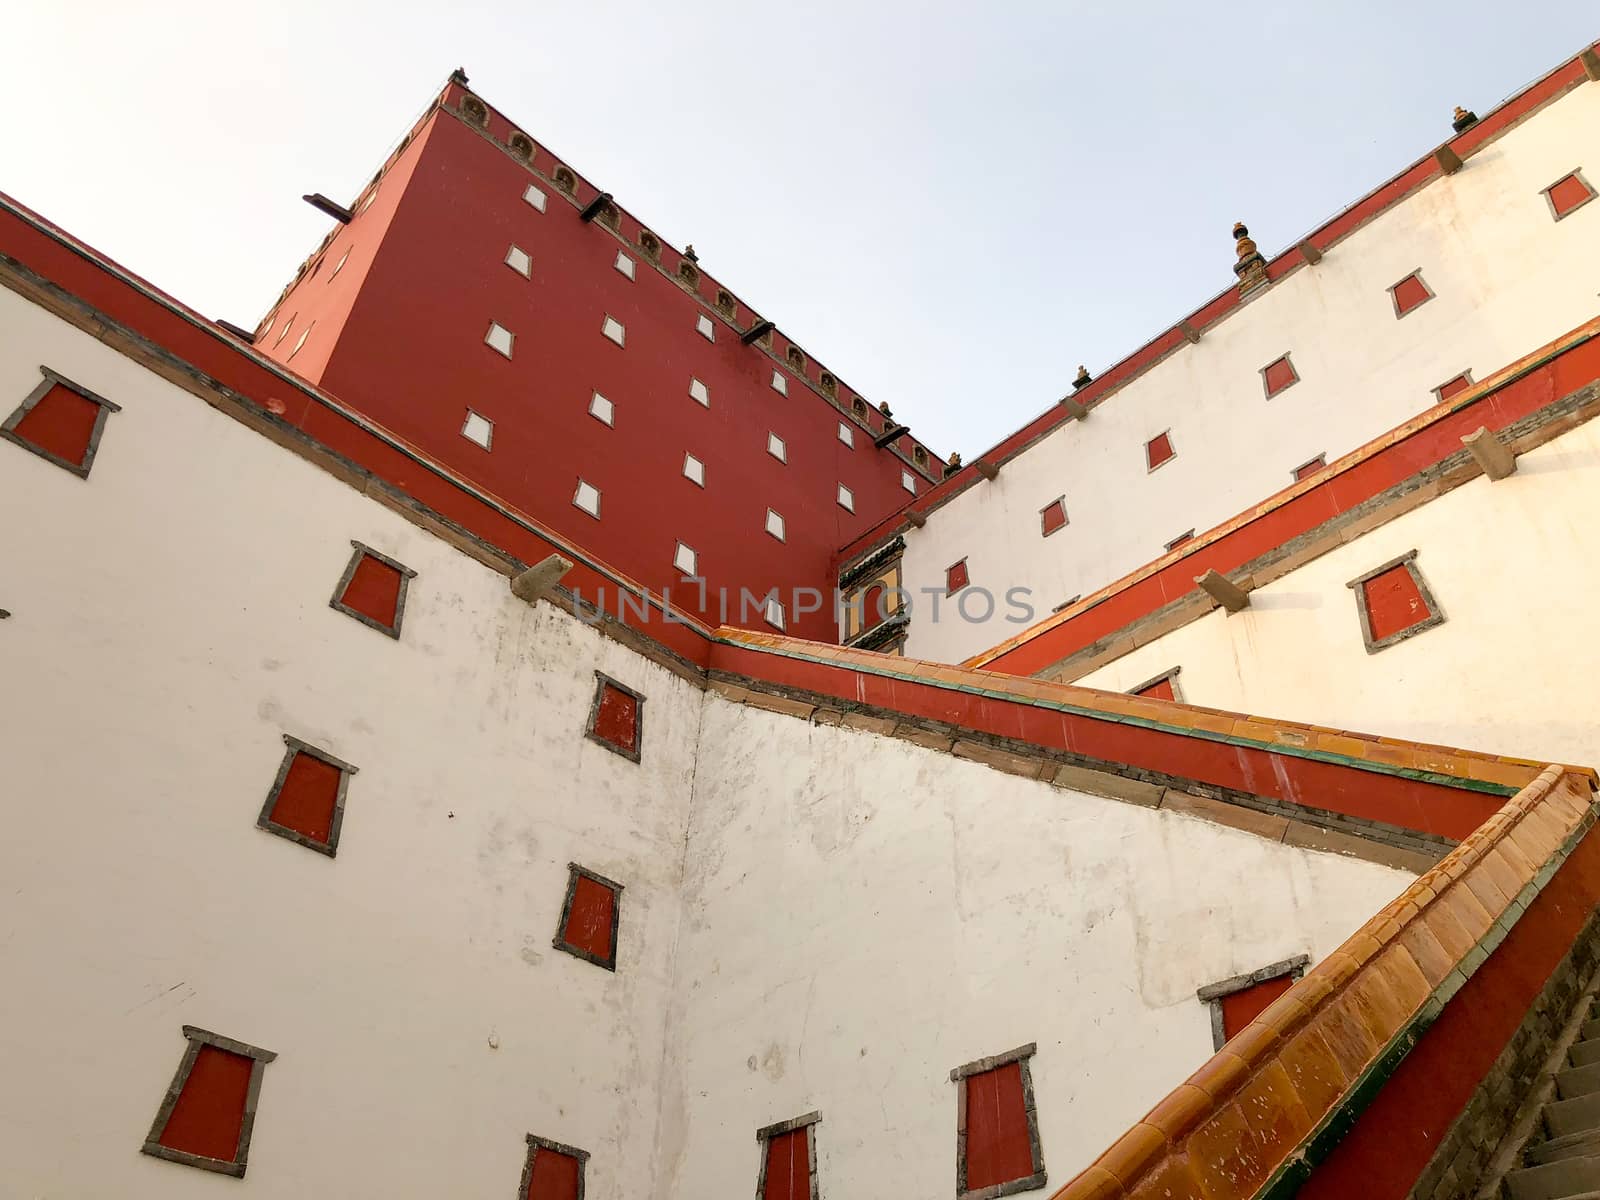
(813, 917)
(171, 621)
(862, 915)
(1507, 279)
(1513, 566)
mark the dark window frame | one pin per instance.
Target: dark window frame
(808, 1122)
(1435, 616)
(1575, 173)
(1170, 675)
(265, 821)
(1394, 294)
(574, 873)
(959, 1076)
(1266, 387)
(1066, 518)
(197, 1038)
(601, 681)
(51, 379)
(536, 1144)
(406, 576)
(1212, 993)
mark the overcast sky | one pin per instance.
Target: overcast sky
(950, 205)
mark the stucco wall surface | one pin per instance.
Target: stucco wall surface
(862, 915)
(1506, 280)
(813, 917)
(1511, 564)
(170, 622)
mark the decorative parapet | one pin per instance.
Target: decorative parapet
(1258, 1118)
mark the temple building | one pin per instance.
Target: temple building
(516, 720)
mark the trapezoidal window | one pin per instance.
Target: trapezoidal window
(1394, 603)
(589, 917)
(373, 590)
(789, 1159)
(209, 1112)
(1158, 451)
(955, 577)
(552, 1171)
(1163, 687)
(616, 718)
(1453, 387)
(1410, 294)
(1310, 467)
(1278, 375)
(1568, 194)
(306, 803)
(61, 422)
(1235, 1002)
(997, 1127)
(1053, 516)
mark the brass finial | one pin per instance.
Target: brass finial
(688, 252)
(1083, 380)
(1464, 119)
(955, 460)
(883, 407)
(1251, 268)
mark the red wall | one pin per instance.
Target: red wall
(411, 355)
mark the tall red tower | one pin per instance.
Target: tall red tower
(485, 302)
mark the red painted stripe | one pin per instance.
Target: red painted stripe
(1407, 803)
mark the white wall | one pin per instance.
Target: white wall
(862, 915)
(1515, 567)
(1506, 277)
(171, 620)
(813, 917)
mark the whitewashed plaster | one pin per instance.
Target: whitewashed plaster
(170, 622)
(1514, 565)
(1506, 277)
(862, 915)
(812, 917)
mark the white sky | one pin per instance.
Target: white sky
(950, 205)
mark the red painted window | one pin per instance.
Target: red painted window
(1158, 450)
(955, 577)
(209, 1114)
(1410, 293)
(616, 719)
(1052, 517)
(872, 612)
(1394, 602)
(306, 800)
(1161, 689)
(788, 1174)
(1454, 387)
(1241, 1007)
(1310, 468)
(1568, 194)
(61, 422)
(1277, 375)
(373, 590)
(553, 1175)
(589, 922)
(998, 1146)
